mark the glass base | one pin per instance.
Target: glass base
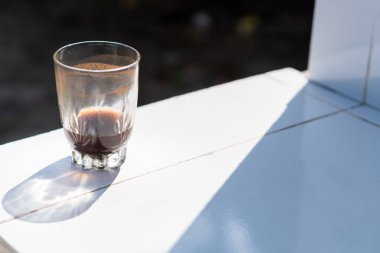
(99, 161)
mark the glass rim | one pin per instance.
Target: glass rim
(133, 64)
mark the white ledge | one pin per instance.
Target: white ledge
(269, 163)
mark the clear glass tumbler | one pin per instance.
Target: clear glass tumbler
(97, 86)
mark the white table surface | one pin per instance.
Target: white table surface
(269, 163)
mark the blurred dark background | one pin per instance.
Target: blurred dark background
(185, 46)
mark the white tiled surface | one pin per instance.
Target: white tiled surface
(312, 188)
(209, 172)
(340, 44)
(168, 132)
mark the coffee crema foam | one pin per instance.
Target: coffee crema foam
(95, 66)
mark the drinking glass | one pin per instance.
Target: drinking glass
(97, 86)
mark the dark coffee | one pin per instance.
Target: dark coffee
(98, 131)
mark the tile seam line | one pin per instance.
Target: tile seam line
(170, 166)
(362, 118)
(175, 164)
(340, 110)
(371, 106)
(238, 143)
(331, 104)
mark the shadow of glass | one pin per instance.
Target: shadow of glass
(58, 192)
(258, 208)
